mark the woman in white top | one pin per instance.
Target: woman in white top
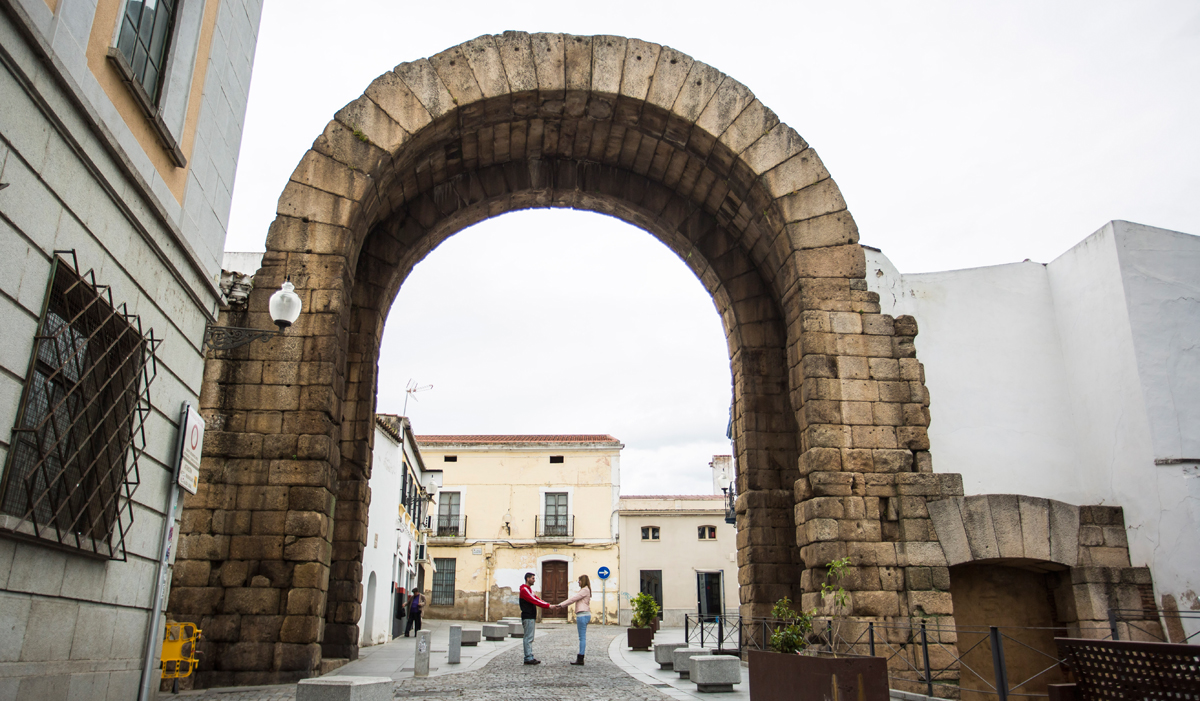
(583, 613)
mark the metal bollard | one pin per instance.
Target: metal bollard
(421, 661)
(454, 650)
(998, 667)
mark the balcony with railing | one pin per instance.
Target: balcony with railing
(450, 529)
(554, 529)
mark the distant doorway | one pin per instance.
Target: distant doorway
(554, 587)
(708, 595)
(369, 623)
(651, 583)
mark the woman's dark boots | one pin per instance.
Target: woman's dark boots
(578, 660)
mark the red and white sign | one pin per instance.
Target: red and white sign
(193, 442)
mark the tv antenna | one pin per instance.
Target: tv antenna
(410, 390)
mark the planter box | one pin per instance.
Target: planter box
(817, 677)
(640, 638)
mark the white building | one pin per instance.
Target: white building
(680, 550)
(1076, 380)
(117, 158)
(402, 494)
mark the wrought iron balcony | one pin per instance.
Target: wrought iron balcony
(730, 501)
(450, 528)
(558, 529)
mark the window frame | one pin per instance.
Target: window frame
(438, 588)
(87, 423)
(706, 532)
(651, 534)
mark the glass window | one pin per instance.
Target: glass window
(73, 463)
(707, 532)
(449, 515)
(144, 39)
(557, 519)
(649, 532)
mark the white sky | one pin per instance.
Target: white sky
(960, 133)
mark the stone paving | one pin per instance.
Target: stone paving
(504, 677)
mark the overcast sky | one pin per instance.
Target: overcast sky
(960, 133)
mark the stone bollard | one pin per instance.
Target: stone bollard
(495, 632)
(663, 652)
(516, 630)
(454, 650)
(421, 661)
(716, 673)
(682, 657)
(471, 637)
(345, 689)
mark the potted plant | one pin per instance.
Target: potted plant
(792, 664)
(645, 613)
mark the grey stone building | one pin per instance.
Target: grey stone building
(120, 124)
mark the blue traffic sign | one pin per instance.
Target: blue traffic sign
(603, 573)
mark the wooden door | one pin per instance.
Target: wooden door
(554, 587)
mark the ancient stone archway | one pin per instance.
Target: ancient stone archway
(829, 401)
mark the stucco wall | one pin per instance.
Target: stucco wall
(500, 484)
(78, 178)
(1069, 380)
(678, 553)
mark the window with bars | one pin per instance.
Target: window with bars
(144, 40)
(443, 581)
(72, 463)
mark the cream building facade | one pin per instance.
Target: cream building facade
(545, 504)
(680, 550)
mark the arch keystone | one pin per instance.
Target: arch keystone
(484, 58)
(516, 53)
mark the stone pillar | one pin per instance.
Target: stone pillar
(454, 648)
(421, 660)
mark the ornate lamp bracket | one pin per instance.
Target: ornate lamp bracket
(230, 337)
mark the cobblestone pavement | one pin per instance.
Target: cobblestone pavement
(504, 678)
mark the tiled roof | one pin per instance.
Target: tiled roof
(532, 438)
(710, 497)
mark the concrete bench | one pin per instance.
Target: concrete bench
(681, 659)
(716, 673)
(496, 632)
(345, 689)
(662, 654)
(516, 630)
(471, 637)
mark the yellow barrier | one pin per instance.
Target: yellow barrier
(180, 637)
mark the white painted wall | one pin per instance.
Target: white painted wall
(1069, 380)
(382, 538)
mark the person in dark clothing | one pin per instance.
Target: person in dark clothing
(416, 604)
(529, 606)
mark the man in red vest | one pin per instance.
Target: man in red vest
(529, 606)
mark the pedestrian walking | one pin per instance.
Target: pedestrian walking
(529, 606)
(416, 604)
(583, 613)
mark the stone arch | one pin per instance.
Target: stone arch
(829, 402)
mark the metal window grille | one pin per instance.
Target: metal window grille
(144, 40)
(443, 581)
(72, 464)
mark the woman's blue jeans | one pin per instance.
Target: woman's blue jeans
(581, 624)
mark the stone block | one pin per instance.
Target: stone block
(888, 460)
(1006, 524)
(977, 519)
(471, 637)
(345, 688)
(928, 554)
(875, 603)
(496, 632)
(1064, 533)
(716, 673)
(454, 646)
(663, 654)
(516, 630)
(253, 600)
(681, 659)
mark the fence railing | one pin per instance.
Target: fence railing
(451, 527)
(554, 527)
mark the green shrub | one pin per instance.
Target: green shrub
(792, 637)
(645, 610)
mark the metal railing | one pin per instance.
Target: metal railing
(554, 527)
(451, 526)
(1137, 625)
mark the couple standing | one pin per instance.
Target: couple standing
(530, 604)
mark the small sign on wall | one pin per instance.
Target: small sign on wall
(476, 551)
(193, 443)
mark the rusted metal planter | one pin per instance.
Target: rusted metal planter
(640, 638)
(818, 676)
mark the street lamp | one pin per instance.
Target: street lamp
(284, 306)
